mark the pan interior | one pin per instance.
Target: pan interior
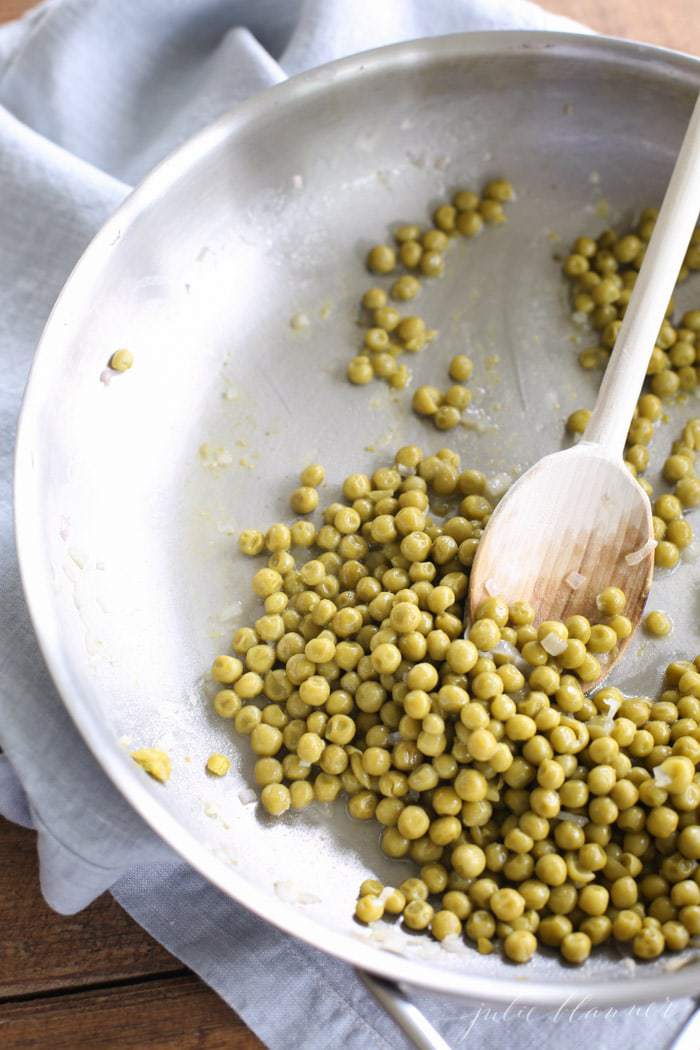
(137, 488)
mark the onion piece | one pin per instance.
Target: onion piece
(661, 778)
(576, 818)
(290, 893)
(634, 557)
(575, 580)
(553, 644)
(613, 705)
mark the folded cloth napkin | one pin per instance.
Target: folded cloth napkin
(92, 95)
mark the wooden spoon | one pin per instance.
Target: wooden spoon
(577, 521)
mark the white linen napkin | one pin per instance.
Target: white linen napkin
(92, 95)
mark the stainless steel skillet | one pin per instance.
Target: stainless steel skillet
(265, 215)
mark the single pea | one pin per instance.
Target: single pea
(405, 288)
(445, 217)
(492, 212)
(519, 946)
(251, 542)
(418, 915)
(447, 417)
(435, 240)
(469, 223)
(381, 259)
(218, 764)
(275, 799)
(121, 360)
(575, 947)
(578, 421)
(432, 263)
(304, 500)
(611, 601)
(360, 371)
(666, 555)
(648, 943)
(657, 624)
(444, 924)
(687, 491)
(369, 909)
(602, 640)
(374, 299)
(426, 400)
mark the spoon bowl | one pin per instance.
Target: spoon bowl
(575, 523)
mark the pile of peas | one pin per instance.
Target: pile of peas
(421, 253)
(602, 273)
(535, 814)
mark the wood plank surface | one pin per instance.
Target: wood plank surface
(43, 951)
(668, 23)
(151, 1015)
(94, 980)
(10, 9)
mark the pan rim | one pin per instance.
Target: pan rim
(650, 61)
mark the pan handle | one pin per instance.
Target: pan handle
(405, 1013)
(689, 1036)
(424, 1036)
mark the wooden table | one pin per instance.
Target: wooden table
(97, 980)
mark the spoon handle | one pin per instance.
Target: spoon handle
(652, 291)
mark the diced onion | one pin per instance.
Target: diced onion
(248, 796)
(553, 644)
(290, 893)
(506, 649)
(576, 818)
(613, 705)
(575, 580)
(634, 557)
(454, 944)
(661, 777)
(680, 961)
